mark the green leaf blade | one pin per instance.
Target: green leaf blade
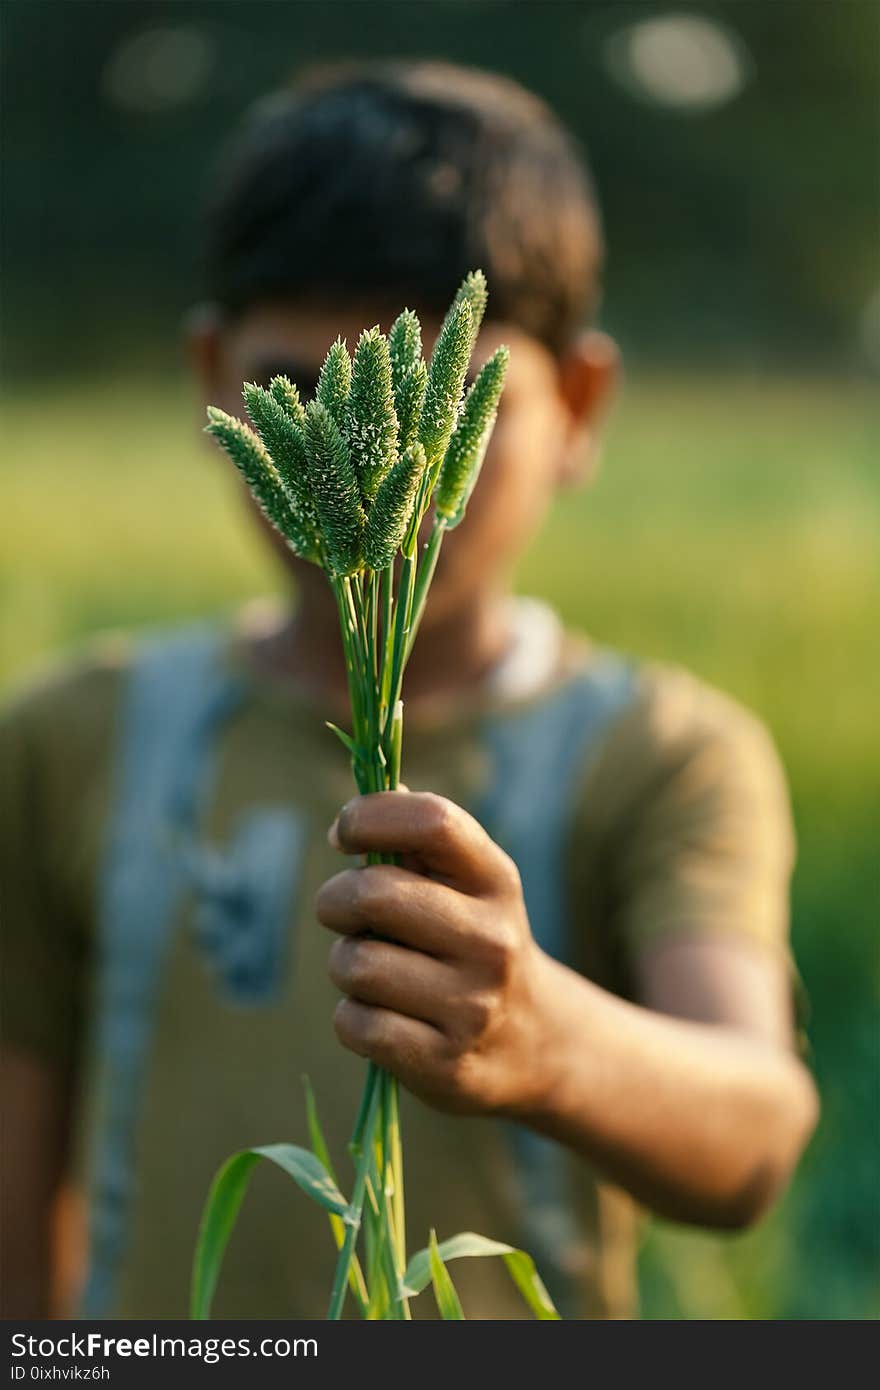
(448, 1301)
(521, 1268)
(319, 1145)
(221, 1208)
(465, 1245)
(224, 1200)
(308, 1172)
(469, 1245)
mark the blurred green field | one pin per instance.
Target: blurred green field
(735, 529)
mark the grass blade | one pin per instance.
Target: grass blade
(468, 1244)
(319, 1144)
(225, 1198)
(448, 1301)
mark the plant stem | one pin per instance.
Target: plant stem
(394, 1251)
(353, 1220)
(377, 717)
(400, 648)
(422, 584)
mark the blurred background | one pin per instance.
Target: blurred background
(734, 527)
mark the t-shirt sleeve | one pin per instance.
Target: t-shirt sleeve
(703, 838)
(40, 958)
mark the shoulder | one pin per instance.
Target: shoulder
(69, 698)
(66, 714)
(674, 713)
(683, 744)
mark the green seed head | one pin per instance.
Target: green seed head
(404, 346)
(391, 512)
(335, 491)
(371, 422)
(255, 465)
(474, 290)
(286, 445)
(347, 477)
(287, 396)
(449, 363)
(409, 375)
(467, 447)
(409, 397)
(334, 382)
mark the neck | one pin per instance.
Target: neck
(453, 653)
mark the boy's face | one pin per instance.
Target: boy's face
(542, 441)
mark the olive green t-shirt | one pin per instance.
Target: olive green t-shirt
(680, 823)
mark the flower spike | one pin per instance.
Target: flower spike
(391, 512)
(335, 491)
(467, 447)
(253, 462)
(449, 363)
(334, 382)
(371, 422)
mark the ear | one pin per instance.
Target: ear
(203, 347)
(588, 378)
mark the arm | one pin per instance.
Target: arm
(41, 989)
(702, 1117)
(34, 1112)
(696, 1103)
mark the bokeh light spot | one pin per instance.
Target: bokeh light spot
(679, 60)
(158, 69)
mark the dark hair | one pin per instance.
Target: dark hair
(394, 179)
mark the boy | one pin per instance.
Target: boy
(582, 973)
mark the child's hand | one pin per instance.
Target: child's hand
(448, 998)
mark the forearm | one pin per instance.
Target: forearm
(700, 1122)
(34, 1109)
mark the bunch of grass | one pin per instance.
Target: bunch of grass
(348, 480)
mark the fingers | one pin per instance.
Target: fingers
(393, 977)
(406, 1046)
(440, 835)
(397, 903)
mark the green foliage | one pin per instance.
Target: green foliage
(470, 439)
(469, 1245)
(448, 1302)
(392, 510)
(335, 491)
(226, 1195)
(334, 382)
(371, 421)
(446, 374)
(337, 1225)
